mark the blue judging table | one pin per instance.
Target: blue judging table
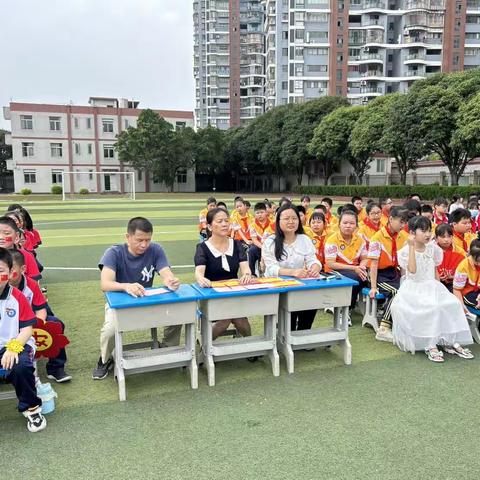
(142, 313)
(312, 295)
(237, 304)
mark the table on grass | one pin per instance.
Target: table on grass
(150, 312)
(312, 295)
(216, 306)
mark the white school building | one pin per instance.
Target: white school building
(48, 140)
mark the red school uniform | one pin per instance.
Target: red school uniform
(32, 293)
(31, 267)
(451, 260)
(36, 237)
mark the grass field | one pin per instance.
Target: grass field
(389, 415)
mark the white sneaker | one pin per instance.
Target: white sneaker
(35, 420)
(384, 334)
(328, 310)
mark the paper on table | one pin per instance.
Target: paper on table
(156, 291)
(258, 286)
(222, 289)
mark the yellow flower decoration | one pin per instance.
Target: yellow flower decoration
(14, 346)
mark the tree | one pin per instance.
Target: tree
(297, 132)
(154, 146)
(209, 150)
(331, 141)
(400, 138)
(368, 130)
(5, 152)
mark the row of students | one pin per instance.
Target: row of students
(23, 303)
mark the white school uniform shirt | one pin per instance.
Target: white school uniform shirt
(299, 254)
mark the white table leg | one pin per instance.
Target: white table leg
(286, 346)
(190, 345)
(207, 344)
(120, 375)
(347, 347)
(270, 333)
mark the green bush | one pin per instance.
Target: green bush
(56, 189)
(25, 191)
(426, 192)
(84, 191)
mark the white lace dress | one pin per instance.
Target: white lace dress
(424, 312)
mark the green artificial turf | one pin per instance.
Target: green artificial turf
(389, 415)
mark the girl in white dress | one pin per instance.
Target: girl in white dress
(425, 314)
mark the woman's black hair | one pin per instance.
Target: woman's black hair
(279, 235)
(474, 250)
(317, 216)
(211, 214)
(301, 209)
(27, 219)
(419, 223)
(442, 229)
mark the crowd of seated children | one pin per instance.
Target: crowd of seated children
(202, 218)
(260, 228)
(372, 222)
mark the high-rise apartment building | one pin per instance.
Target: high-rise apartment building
(357, 48)
(229, 61)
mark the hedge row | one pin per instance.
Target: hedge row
(426, 192)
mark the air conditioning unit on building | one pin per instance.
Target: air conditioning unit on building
(363, 83)
(366, 49)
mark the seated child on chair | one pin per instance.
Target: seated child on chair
(17, 346)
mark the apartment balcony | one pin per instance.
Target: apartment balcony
(473, 7)
(371, 91)
(423, 22)
(366, 58)
(425, 5)
(415, 73)
(423, 40)
(371, 74)
(374, 23)
(379, 4)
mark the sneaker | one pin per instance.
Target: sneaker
(384, 334)
(102, 369)
(328, 310)
(35, 420)
(60, 376)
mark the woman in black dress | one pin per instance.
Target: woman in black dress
(220, 258)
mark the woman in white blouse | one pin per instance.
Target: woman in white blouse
(291, 253)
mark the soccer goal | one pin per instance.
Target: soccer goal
(85, 184)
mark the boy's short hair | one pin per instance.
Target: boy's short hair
(6, 257)
(474, 250)
(259, 206)
(383, 200)
(442, 229)
(413, 205)
(17, 258)
(347, 207)
(473, 205)
(460, 214)
(355, 198)
(211, 200)
(247, 203)
(419, 223)
(371, 205)
(10, 222)
(317, 216)
(139, 223)
(414, 194)
(440, 201)
(305, 197)
(327, 200)
(456, 197)
(267, 203)
(426, 208)
(284, 200)
(237, 198)
(399, 212)
(348, 211)
(301, 209)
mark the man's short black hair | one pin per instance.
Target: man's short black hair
(6, 257)
(139, 223)
(211, 200)
(460, 214)
(10, 222)
(259, 206)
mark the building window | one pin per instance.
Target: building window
(90, 174)
(180, 125)
(26, 122)
(27, 149)
(77, 149)
(89, 123)
(56, 150)
(108, 151)
(29, 176)
(139, 175)
(126, 123)
(182, 176)
(57, 176)
(107, 125)
(54, 124)
(380, 165)
(75, 122)
(89, 149)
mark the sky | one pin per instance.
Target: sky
(62, 51)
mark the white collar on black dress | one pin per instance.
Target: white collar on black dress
(217, 253)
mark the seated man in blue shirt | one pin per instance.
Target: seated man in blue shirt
(130, 268)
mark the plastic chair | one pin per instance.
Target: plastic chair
(370, 315)
(474, 323)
